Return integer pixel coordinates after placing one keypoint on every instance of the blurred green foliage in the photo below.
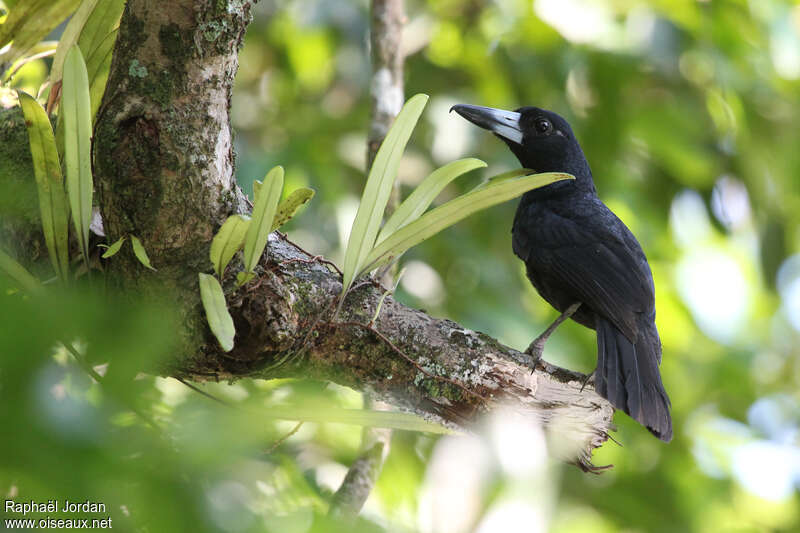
(688, 113)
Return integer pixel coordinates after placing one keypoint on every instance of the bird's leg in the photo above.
(537, 346)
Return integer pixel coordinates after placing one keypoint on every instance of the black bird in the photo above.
(585, 262)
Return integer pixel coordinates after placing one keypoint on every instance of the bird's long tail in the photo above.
(627, 376)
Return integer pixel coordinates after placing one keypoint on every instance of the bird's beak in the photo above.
(503, 123)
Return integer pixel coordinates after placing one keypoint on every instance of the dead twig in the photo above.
(283, 439)
(315, 258)
(100, 380)
(201, 392)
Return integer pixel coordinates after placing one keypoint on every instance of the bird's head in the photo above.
(542, 140)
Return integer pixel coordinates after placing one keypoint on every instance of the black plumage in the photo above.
(577, 251)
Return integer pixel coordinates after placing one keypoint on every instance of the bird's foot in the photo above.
(537, 346)
(535, 350)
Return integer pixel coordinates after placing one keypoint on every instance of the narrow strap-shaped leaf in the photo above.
(114, 248)
(18, 273)
(97, 42)
(378, 189)
(219, 319)
(76, 110)
(263, 212)
(425, 193)
(503, 176)
(70, 37)
(49, 183)
(289, 206)
(453, 211)
(228, 240)
(49, 180)
(98, 66)
(102, 21)
(140, 252)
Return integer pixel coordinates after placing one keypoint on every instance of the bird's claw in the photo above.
(535, 351)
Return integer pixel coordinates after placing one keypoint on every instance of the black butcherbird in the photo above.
(585, 262)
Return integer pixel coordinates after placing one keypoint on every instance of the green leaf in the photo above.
(49, 183)
(289, 206)
(263, 213)
(76, 110)
(18, 273)
(89, 27)
(219, 319)
(70, 37)
(98, 66)
(379, 188)
(511, 174)
(103, 20)
(97, 43)
(114, 248)
(140, 252)
(228, 240)
(28, 22)
(425, 193)
(357, 417)
(243, 277)
(453, 211)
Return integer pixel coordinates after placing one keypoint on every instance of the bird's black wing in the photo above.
(593, 257)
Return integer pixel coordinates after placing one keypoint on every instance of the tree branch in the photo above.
(386, 87)
(432, 367)
(351, 495)
(164, 172)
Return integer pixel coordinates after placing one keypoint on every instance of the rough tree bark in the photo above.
(20, 225)
(164, 172)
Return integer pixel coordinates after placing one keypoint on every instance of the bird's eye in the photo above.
(543, 125)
